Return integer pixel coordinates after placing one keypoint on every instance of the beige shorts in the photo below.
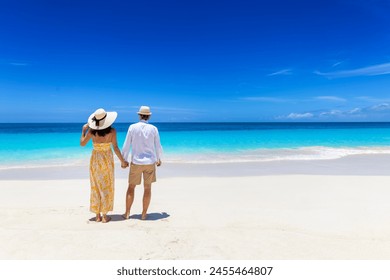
(136, 172)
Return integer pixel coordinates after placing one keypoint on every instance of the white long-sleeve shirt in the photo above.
(144, 140)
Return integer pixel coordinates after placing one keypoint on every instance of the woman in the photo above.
(101, 167)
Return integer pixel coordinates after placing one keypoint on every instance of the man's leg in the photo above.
(129, 200)
(134, 180)
(146, 200)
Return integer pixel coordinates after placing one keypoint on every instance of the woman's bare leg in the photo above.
(105, 218)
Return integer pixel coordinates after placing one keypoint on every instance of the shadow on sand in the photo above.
(150, 217)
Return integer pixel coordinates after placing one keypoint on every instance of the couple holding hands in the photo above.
(144, 141)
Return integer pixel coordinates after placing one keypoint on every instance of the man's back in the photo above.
(142, 130)
(145, 141)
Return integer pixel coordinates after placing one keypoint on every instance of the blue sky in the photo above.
(273, 60)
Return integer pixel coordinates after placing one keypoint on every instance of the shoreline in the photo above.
(77, 158)
(359, 165)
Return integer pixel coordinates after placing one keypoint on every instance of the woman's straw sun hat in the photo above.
(101, 119)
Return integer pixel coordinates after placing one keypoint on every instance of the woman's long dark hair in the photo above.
(102, 132)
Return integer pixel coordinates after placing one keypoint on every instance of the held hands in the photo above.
(124, 164)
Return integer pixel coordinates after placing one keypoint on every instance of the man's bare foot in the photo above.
(126, 216)
(144, 216)
(98, 218)
(106, 219)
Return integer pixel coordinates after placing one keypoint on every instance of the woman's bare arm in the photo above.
(85, 135)
(114, 142)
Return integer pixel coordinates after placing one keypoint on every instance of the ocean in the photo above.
(39, 144)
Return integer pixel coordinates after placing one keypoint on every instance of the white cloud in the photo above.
(337, 63)
(378, 112)
(380, 107)
(355, 111)
(331, 98)
(374, 70)
(295, 116)
(281, 72)
(331, 113)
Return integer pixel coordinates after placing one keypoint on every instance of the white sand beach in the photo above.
(330, 209)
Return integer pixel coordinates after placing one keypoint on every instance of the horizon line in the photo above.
(291, 121)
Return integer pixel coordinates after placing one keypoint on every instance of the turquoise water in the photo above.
(203, 142)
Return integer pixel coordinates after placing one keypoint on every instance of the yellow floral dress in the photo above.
(101, 170)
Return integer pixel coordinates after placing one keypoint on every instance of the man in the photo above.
(146, 152)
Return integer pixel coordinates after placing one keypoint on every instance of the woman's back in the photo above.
(105, 137)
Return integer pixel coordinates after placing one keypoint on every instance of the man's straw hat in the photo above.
(144, 110)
